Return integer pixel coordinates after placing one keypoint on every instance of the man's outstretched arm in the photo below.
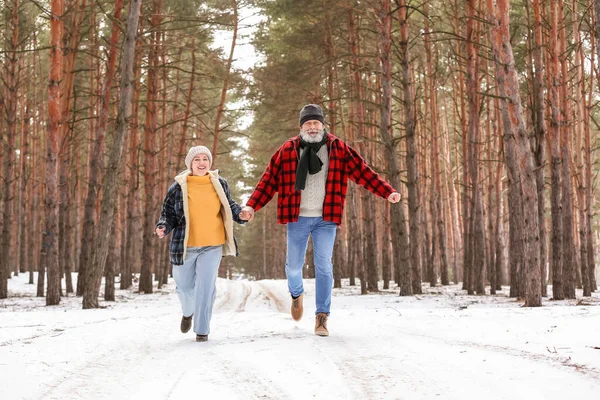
(267, 186)
(363, 175)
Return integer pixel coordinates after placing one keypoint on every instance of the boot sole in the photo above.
(321, 333)
(296, 317)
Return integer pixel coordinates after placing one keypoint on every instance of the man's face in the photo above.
(312, 131)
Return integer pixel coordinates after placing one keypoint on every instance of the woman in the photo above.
(199, 210)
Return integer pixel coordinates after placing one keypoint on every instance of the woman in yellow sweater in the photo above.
(199, 210)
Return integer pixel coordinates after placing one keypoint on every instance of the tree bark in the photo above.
(437, 214)
(150, 129)
(555, 157)
(477, 247)
(413, 176)
(132, 245)
(539, 139)
(520, 160)
(96, 167)
(24, 192)
(111, 183)
(581, 153)
(399, 235)
(11, 79)
(569, 255)
(53, 139)
(221, 106)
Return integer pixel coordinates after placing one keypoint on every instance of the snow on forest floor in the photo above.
(439, 345)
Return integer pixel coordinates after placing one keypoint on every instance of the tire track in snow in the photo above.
(249, 383)
(556, 362)
(59, 330)
(246, 290)
(352, 367)
(275, 301)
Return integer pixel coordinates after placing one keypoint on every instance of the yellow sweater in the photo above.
(206, 222)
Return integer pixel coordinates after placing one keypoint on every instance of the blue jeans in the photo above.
(196, 283)
(323, 238)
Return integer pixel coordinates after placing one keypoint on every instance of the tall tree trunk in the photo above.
(36, 265)
(24, 192)
(520, 160)
(569, 256)
(492, 209)
(539, 139)
(359, 122)
(132, 249)
(188, 105)
(588, 168)
(53, 139)
(555, 157)
(369, 207)
(477, 247)
(581, 153)
(11, 93)
(71, 39)
(399, 235)
(452, 207)
(352, 196)
(499, 259)
(462, 196)
(150, 129)
(96, 162)
(221, 106)
(438, 210)
(111, 184)
(63, 212)
(413, 178)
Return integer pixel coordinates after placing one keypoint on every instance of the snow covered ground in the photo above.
(440, 345)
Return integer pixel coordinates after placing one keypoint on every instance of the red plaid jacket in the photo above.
(344, 162)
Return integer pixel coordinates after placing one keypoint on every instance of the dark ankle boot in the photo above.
(186, 323)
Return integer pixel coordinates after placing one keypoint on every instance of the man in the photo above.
(309, 173)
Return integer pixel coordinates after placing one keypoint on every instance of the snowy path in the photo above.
(381, 347)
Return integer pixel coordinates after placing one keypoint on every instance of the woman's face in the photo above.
(200, 165)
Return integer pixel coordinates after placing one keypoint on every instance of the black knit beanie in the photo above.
(310, 112)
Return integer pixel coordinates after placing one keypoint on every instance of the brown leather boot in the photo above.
(297, 307)
(321, 325)
(186, 323)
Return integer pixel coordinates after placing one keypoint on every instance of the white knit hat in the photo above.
(194, 151)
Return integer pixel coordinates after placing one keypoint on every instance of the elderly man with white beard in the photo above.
(310, 173)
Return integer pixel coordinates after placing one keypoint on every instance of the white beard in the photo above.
(312, 139)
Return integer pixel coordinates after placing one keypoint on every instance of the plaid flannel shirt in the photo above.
(344, 163)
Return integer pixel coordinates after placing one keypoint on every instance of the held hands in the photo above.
(394, 197)
(247, 214)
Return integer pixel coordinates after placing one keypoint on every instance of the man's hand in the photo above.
(160, 232)
(247, 214)
(394, 197)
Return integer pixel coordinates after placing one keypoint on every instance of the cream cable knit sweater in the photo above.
(313, 195)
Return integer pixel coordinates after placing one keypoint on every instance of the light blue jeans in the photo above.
(196, 283)
(323, 238)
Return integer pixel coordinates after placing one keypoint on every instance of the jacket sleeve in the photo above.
(268, 184)
(168, 217)
(363, 175)
(235, 207)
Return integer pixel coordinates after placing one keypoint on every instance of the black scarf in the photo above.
(309, 161)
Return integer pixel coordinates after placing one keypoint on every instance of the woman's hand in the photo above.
(247, 214)
(160, 232)
(394, 197)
